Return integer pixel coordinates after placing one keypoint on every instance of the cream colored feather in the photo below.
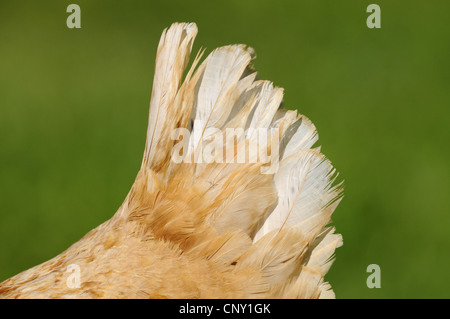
(220, 229)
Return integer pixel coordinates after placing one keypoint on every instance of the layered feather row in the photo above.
(286, 214)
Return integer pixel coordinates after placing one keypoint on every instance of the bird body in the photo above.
(209, 229)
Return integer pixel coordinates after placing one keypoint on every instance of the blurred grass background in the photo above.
(74, 107)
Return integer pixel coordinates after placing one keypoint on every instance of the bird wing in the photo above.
(285, 212)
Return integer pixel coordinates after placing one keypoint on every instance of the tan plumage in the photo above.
(208, 230)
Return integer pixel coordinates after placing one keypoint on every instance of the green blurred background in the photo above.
(74, 107)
